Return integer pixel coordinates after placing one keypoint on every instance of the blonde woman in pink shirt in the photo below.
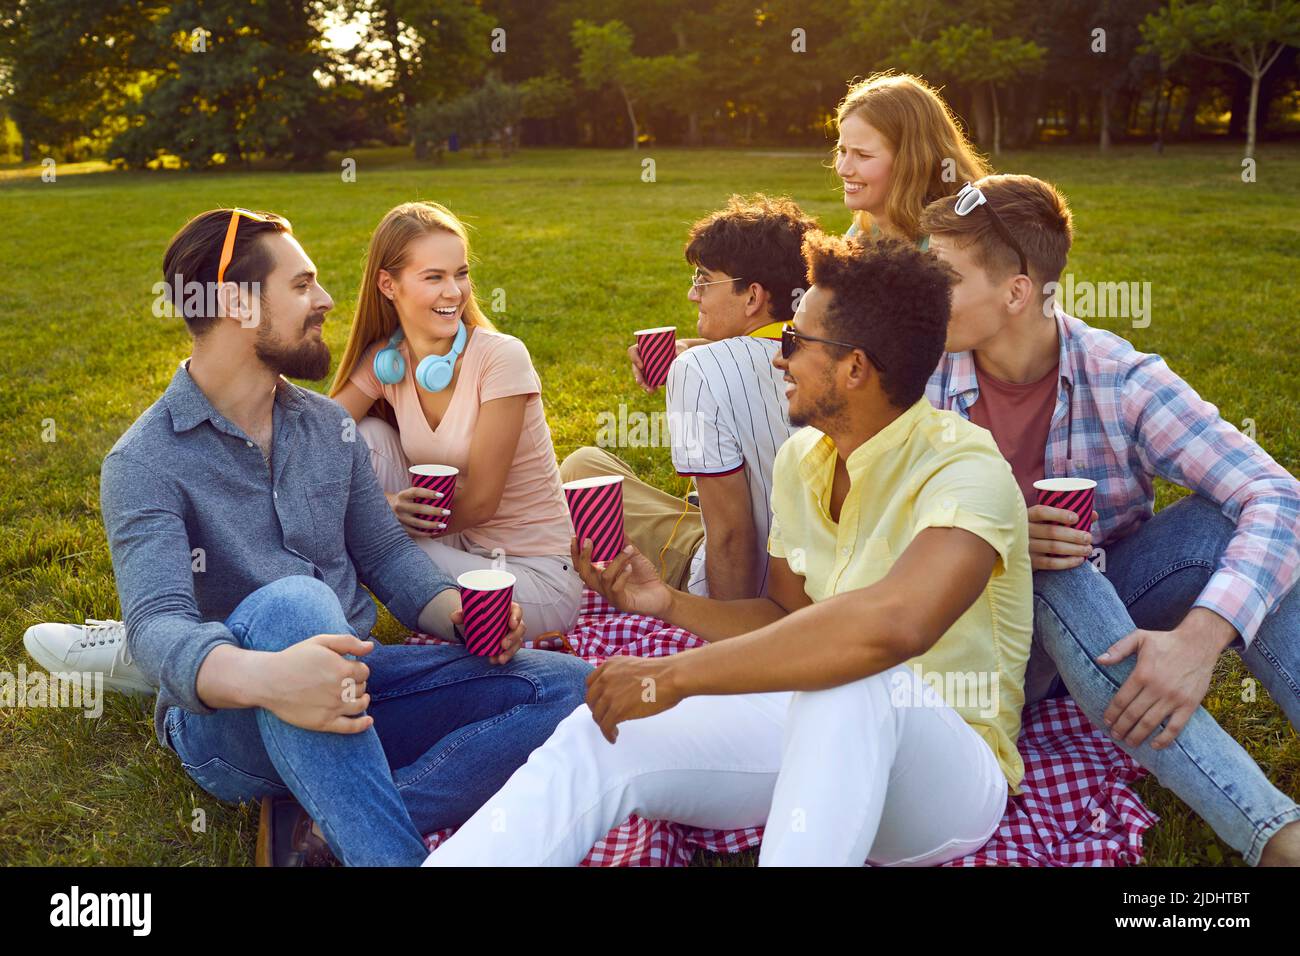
(448, 389)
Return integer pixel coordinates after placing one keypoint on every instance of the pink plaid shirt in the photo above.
(1122, 417)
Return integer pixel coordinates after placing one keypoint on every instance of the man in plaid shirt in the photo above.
(1136, 638)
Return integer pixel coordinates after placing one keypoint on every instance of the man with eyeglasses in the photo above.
(867, 706)
(1136, 635)
(726, 409)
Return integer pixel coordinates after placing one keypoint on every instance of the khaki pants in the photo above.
(649, 515)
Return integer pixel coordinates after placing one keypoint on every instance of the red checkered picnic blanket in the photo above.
(1077, 808)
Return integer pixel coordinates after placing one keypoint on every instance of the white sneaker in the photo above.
(95, 647)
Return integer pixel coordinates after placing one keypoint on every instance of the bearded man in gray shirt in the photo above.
(243, 516)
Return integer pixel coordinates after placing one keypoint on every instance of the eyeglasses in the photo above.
(228, 247)
(972, 196)
(790, 339)
(698, 275)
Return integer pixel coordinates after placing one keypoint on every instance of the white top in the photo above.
(727, 411)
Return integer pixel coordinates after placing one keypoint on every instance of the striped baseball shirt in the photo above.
(727, 411)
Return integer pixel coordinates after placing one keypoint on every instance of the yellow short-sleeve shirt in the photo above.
(926, 469)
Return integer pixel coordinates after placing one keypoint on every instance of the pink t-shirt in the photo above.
(532, 518)
(1020, 418)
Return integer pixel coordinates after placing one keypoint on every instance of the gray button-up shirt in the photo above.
(196, 522)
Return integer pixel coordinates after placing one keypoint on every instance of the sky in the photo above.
(341, 34)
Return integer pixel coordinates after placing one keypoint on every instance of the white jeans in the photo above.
(546, 587)
(837, 777)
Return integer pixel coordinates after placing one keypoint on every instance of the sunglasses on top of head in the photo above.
(970, 198)
(228, 247)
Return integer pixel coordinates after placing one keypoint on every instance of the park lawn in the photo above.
(583, 251)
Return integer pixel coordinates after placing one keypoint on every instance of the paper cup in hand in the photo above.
(596, 506)
(435, 478)
(1069, 494)
(485, 598)
(657, 348)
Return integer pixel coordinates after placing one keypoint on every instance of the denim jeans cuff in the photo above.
(1268, 831)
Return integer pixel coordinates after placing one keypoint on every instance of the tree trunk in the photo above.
(631, 118)
(1250, 115)
(983, 120)
(1134, 101)
(693, 117)
(1187, 123)
(1168, 108)
(1160, 112)
(1156, 101)
(1104, 119)
(1022, 109)
(997, 121)
(402, 76)
(27, 149)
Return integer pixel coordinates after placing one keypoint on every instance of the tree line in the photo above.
(199, 83)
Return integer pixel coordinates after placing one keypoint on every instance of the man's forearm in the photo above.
(833, 642)
(1205, 623)
(232, 677)
(436, 616)
(730, 566)
(712, 620)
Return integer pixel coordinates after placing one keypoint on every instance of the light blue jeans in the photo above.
(450, 728)
(1151, 581)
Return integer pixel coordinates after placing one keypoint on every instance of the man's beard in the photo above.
(826, 410)
(309, 359)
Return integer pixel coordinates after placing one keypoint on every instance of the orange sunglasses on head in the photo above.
(228, 247)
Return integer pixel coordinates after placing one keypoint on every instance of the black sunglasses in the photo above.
(790, 343)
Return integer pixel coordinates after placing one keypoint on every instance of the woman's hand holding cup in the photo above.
(425, 507)
(416, 516)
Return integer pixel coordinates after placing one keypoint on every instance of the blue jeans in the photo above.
(449, 730)
(1151, 581)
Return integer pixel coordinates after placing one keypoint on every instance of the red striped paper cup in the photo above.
(485, 598)
(435, 478)
(1069, 494)
(596, 507)
(657, 348)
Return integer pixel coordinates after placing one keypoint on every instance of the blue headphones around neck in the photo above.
(434, 372)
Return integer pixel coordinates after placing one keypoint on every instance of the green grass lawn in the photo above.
(585, 252)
